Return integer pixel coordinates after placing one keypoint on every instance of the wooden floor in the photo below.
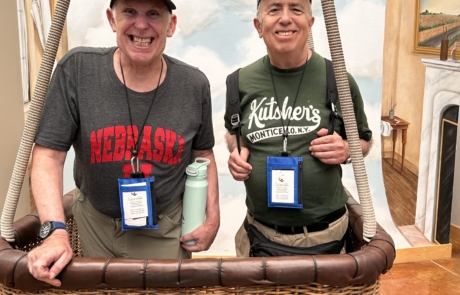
(433, 277)
(401, 191)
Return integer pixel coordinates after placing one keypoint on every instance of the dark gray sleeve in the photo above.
(204, 138)
(59, 121)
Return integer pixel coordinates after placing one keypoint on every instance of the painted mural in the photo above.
(218, 37)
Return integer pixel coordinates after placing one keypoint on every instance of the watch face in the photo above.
(45, 229)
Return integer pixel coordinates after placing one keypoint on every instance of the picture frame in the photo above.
(432, 24)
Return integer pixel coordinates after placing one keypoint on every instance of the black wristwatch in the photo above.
(49, 226)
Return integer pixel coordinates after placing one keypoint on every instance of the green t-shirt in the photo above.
(262, 131)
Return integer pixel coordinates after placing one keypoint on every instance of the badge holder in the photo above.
(137, 200)
(284, 180)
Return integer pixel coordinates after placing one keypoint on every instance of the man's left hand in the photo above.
(329, 149)
(203, 236)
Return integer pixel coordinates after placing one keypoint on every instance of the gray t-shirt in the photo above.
(86, 106)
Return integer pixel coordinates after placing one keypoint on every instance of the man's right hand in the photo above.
(238, 164)
(47, 261)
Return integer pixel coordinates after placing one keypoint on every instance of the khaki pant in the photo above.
(101, 236)
(336, 231)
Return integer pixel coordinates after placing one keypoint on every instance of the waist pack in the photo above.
(261, 246)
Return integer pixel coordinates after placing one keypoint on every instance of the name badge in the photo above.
(137, 202)
(284, 182)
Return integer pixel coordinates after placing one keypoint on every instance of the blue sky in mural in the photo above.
(218, 36)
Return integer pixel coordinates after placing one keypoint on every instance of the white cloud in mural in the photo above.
(192, 17)
(87, 25)
(251, 48)
(373, 111)
(361, 25)
(210, 63)
(234, 212)
(220, 148)
(244, 9)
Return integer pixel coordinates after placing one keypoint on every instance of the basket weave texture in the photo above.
(354, 273)
(307, 289)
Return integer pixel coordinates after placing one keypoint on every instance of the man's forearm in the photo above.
(231, 141)
(366, 146)
(212, 201)
(47, 183)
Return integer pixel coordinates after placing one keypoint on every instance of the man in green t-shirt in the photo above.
(283, 108)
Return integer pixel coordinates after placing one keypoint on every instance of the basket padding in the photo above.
(363, 266)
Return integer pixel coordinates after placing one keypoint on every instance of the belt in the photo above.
(315, 227)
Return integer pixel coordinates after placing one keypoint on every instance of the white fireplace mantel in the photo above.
(442, 90)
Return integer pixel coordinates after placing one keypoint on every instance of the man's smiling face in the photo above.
(284, 25)
(142, 27)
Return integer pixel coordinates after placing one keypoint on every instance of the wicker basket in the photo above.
(352, 273)
(273, 290)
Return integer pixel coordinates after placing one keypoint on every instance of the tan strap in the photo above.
(340, 70)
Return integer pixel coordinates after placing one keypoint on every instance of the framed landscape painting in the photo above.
(435, 20)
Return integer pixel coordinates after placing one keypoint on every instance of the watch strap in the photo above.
(57, 225)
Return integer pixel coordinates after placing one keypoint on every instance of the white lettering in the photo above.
(265, 111)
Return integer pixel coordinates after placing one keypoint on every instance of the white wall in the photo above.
(11, 111)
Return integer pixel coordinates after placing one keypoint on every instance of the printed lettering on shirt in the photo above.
(264, 111)
(115, 143)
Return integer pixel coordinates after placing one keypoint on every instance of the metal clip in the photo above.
(132, 164)
(285, 152)
(235, 120)
(285, 144)
(334, 109)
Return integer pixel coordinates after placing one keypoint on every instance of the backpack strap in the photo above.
(332, 95)
(233, 103)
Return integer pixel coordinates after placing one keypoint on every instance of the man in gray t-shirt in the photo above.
(111, 104)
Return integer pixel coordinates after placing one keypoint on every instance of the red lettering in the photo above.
(96, 147)
(177, 157)
(127, 169)
(146, 169)
(168, 157)
(145, 152)
(159, 148)
(120, 143)
(107, 155)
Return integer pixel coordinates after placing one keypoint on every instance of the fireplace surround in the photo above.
(442, 91)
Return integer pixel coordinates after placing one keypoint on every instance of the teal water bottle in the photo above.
(195, 195)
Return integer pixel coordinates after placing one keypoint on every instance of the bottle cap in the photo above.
(198, 168)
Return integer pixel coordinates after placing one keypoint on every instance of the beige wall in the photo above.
(403, 78)
(34, 47)
(11, 112)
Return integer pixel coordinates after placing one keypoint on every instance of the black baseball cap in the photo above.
(168, 3)
(258, 2)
